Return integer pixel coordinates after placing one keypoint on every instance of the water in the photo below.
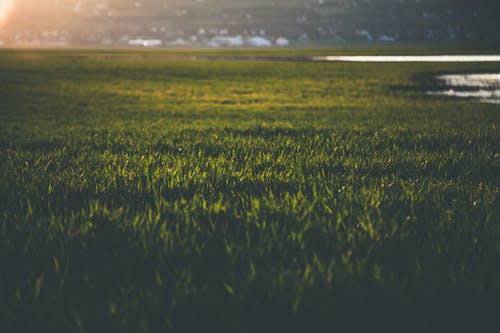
(483, 87)
(412, 58)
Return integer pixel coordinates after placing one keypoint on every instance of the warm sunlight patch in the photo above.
(5, 9)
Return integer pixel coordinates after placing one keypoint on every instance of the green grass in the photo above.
(140, 193)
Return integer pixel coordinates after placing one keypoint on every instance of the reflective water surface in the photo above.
(412, 58)
(485, 87)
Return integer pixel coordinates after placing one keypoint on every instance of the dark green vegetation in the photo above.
(243, 196)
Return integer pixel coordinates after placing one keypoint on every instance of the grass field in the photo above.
(140, 193)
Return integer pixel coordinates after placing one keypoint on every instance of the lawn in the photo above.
(148, 192)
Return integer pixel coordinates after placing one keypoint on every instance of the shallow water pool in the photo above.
(412, 58)
(484, 87)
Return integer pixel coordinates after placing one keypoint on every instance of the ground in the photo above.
(147, 192)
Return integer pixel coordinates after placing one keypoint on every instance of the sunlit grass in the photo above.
(243, 196)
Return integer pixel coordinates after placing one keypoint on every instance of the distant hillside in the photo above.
(201, 23)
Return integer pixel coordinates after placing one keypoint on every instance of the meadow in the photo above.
(147, 192)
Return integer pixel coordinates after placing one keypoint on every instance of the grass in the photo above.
(146, 194)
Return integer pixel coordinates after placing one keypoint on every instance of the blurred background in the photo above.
(247, 23)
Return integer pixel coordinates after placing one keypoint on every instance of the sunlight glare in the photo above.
(5, 9)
